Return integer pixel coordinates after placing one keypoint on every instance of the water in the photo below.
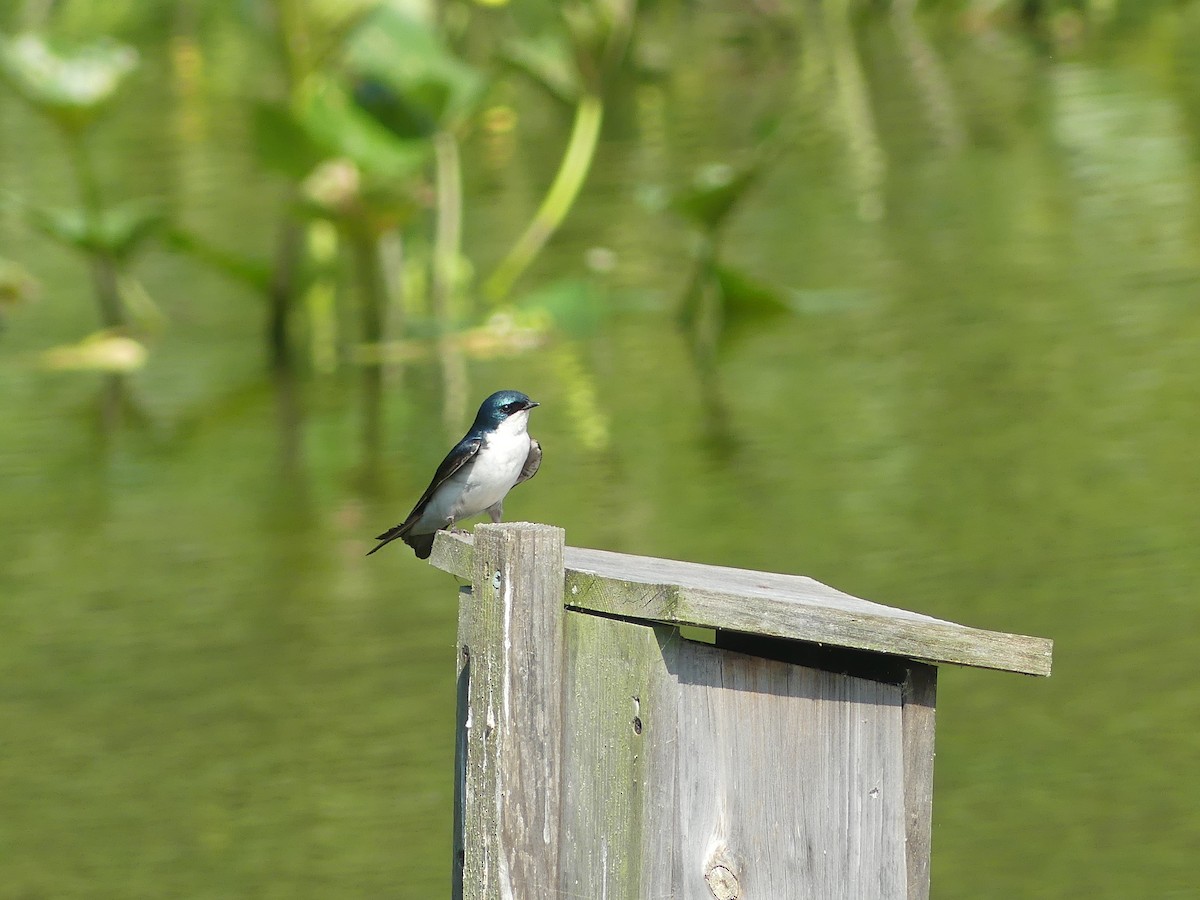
(984, 409)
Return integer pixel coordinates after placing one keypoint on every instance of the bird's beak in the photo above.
(531, 404)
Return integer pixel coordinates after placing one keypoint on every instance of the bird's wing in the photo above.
(532, 462)
(462, 454)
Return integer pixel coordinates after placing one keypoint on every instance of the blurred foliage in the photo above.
(17, 286)
(546, 58)
(361, 114)
(405, 76)
(375, 97)
(574, 60)
(71, 88)
(719, 297)
(115, 232)
(713, 192)
(364, 113)
(103, 351)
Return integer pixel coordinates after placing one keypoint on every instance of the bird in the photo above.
(494, 456)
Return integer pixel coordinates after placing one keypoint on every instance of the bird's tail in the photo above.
(422, 544)
(388, 536)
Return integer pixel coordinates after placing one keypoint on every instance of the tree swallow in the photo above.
(496, 454)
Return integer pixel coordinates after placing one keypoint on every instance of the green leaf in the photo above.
(409, 117)
(67, 226)
(548, 60)
(117, 231)
(714, 191)
(73, 87)
(405, 76)
(341, 128)
(746, 299)
(281, 142)
(125, 226)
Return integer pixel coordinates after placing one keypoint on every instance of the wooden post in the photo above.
(511, 642)
(466, 634)
(603, 755)
(920, 696)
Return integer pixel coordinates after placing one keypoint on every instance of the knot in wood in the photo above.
(723, 883)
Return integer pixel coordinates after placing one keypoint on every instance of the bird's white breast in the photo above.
(485, 479)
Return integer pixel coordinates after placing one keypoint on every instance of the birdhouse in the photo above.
(605, 752)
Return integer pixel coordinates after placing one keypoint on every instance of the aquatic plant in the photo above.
(72, 88)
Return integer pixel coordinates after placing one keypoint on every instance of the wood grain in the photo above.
(693, 772)
(616, 681)
(514, 728)
(790, 779)
(466, 636)
(601, 755)
(795, 607)
(920, 699)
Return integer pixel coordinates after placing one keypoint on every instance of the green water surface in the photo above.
(983, 406)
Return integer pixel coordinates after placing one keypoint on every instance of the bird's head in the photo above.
(501, 406)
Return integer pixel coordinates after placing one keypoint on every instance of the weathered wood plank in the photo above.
(790, 782)
(612, 711)
(514, 725)
(466, 636)
(693, 772)
(810, 619)
(787, 606)
(454, 552)
(920, 698)
(617, 760)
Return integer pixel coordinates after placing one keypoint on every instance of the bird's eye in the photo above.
(509, 407)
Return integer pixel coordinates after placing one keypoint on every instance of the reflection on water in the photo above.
(981, 404)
